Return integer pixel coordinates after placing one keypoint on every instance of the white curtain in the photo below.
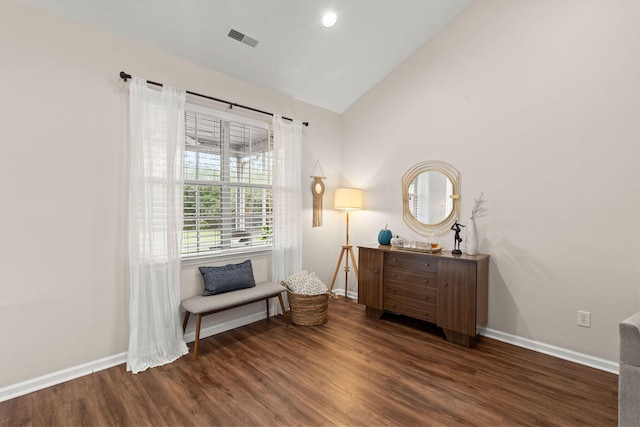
(155, 225)
(287, 202)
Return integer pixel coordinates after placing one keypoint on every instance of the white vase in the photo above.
(471, 243)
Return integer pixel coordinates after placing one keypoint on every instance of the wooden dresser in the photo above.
(445, 289)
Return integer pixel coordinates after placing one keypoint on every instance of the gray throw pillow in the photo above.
(227, 278)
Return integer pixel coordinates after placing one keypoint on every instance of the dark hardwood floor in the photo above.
(351, 371)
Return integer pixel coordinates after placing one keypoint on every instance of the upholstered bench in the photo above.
(205, 305)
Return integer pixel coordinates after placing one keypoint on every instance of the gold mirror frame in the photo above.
(445, 225)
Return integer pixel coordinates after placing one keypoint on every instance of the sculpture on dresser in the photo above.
(457, 239)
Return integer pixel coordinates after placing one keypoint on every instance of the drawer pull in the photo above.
(426, 298)
(427, 264)
(426, 280)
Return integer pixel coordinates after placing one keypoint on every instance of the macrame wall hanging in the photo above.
(317, 189)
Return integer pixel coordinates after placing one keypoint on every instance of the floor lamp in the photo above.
(346, 199)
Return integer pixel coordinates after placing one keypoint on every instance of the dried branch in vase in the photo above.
(478, 207)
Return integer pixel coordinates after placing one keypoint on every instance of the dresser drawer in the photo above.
(420, 309)
(419, 291)
(411, 277)
(409, 262)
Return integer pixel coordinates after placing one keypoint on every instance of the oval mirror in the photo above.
(431, 194)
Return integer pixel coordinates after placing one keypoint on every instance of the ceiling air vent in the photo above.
(237, 35)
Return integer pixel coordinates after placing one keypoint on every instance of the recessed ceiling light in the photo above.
(329, 20)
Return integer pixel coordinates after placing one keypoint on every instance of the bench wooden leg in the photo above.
(267, 301)
(284, 313)
(197, 343)
(186, 320)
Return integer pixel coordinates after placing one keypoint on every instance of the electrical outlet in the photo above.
(584, 319)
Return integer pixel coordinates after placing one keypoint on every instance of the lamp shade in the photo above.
(348, 198)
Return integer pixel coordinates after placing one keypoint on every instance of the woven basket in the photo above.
(308, 310)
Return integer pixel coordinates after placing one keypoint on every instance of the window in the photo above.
(228, 196)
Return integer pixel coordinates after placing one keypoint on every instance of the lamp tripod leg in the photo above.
(348, 250)
(335, 273)
(353, 260)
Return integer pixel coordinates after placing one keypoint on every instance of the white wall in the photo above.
(64, 177)
(538, 105)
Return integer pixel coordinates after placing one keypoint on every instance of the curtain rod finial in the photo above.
(124, 76)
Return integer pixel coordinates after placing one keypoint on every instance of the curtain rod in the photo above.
(124, 76)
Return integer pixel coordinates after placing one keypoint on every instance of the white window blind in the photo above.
(228, 196)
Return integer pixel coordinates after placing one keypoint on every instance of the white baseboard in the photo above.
(61, 376)
(58, 377)
(350, 294)
(559, 352)
(68, 374)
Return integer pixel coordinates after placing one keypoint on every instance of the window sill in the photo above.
(190, 260)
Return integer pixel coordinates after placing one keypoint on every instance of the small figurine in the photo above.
(457, 239)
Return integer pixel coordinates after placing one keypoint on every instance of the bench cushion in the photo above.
(201, 304)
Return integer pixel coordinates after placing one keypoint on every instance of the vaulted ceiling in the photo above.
(294, 55)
